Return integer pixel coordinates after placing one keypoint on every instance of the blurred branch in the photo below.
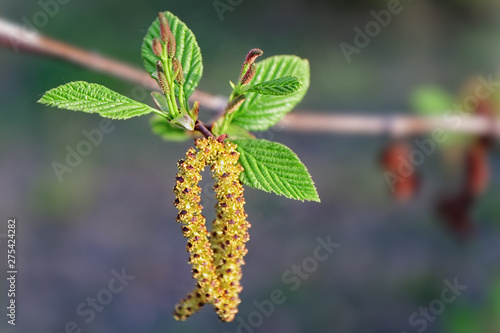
(393, 125)
(19, 38)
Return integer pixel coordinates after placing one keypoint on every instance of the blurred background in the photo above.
(114, 211)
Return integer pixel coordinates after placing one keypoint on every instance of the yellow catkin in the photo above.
(221, 264)
(229, 231)
(190, 304)
(193, 227)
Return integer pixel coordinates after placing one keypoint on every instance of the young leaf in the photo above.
(282, 86)
(184, 120)
(259, 112)
(273, 167)
(94, 98)
(187, 51)
(166, 130)
(236, 132)
(160, 101)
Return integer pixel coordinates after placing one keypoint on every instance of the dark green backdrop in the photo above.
(115, 209)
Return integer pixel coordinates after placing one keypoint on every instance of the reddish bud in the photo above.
(164, 27)
(249, 74)
(162, 78)
(250, 59)
(252, 55)
(178, 69)
(221, 138)
(477, 171)
(399, 173)
(157, 47)
(171, 46)
(235, 104)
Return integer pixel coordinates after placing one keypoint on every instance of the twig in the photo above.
(200, 127)
(19, 38)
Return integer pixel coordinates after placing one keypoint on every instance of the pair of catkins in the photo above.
(217, 256)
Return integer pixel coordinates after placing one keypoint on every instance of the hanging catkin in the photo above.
(229, 231)
(193, 227)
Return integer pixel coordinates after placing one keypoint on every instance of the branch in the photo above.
(200, 127)
(19, 38)
(393, 125)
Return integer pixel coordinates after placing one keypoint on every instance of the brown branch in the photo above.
(18, 38)
(200, 127)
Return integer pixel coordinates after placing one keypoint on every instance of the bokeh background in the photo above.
(115, 209)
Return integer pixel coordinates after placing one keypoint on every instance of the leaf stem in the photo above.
(171, 107)
(161, 113)
(182, 98)
(167, 64)
(228, 118)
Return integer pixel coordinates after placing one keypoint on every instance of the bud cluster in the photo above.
(248, 71)
(217, 257)
(169, 70)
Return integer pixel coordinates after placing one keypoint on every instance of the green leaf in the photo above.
(273, 167)
(94, 98)
(166, 130)
(259, 112)
(160, 101)
(431, 100)
(282, 86)
(184, 121)
(233, 131)
(187, 51)
(236, 132)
